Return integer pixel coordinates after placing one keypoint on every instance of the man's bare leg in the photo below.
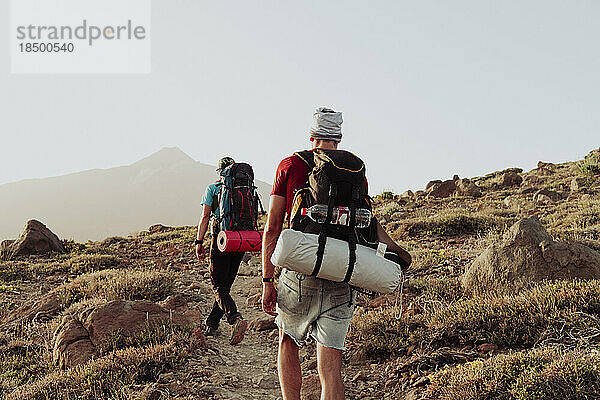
(329, 365)
(288, 367)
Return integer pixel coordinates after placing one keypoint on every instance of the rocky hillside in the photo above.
(502, 302)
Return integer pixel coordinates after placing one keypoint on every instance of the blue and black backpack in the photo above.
(238, 199)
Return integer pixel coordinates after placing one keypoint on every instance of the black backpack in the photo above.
(337, 178)
(238, 199)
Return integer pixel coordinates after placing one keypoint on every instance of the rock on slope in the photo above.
(36, 238)
(527, 253)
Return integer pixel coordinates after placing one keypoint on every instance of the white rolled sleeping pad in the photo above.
(297, 251)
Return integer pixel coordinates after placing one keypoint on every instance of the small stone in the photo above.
(487, 348)
(263, 324)
(166, 377)
(361, 376)
(310, 364)
(254, 300)
(358, 357)
(198, 340)
(577, 184)
(268, 382)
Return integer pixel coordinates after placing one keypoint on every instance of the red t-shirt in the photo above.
(292, 174)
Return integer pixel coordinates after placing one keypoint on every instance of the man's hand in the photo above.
(269, 298)
(272, 230)
(200, 253)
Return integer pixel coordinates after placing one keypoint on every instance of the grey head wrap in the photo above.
(328, 125)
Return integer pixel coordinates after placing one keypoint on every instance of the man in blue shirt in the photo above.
(223, 266)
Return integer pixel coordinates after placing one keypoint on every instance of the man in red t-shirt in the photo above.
(300, 316)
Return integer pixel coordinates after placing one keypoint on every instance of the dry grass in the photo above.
(118, 284)
(94, 262)
(537, 374)
(108, 377)
(22, 361)
(565, 312)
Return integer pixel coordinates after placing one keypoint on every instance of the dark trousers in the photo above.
(223, 270)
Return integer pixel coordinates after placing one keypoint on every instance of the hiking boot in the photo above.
(238, 330)
(210, 331)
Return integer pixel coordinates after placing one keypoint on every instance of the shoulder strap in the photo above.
(307, 156)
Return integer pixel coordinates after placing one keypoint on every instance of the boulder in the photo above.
(545, 168)
(527, 253)
(461, 187)
(159, 228)
(546, 196)
(464, 187)
(128, 317)
(510, 178)
(79, 338)
(36, 238)
(72, 344)
(174, 302)
(542, 164)
(440, 189)
(43, 309)
(431, 183)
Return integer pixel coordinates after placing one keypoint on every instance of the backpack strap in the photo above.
(307, 156)
(352, 233)
(323, 233)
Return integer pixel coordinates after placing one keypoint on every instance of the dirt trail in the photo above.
(245, 371)
(249, 369)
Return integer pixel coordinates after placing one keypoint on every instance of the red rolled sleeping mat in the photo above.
(228, 241)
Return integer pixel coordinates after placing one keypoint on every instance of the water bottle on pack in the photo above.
(341, 215)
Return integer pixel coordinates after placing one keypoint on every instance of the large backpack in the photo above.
(238, 200)
(336, 178)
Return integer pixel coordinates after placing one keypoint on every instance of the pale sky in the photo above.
(428, 89)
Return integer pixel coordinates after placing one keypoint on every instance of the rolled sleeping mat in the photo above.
(231, 241)
(297, 251)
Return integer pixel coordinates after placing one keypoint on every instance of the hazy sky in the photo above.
(428, 88)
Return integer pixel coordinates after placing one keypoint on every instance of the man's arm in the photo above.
(383, 237)
(202, 228)
(272, 230)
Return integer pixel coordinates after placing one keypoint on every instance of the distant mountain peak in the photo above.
(166, 156)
